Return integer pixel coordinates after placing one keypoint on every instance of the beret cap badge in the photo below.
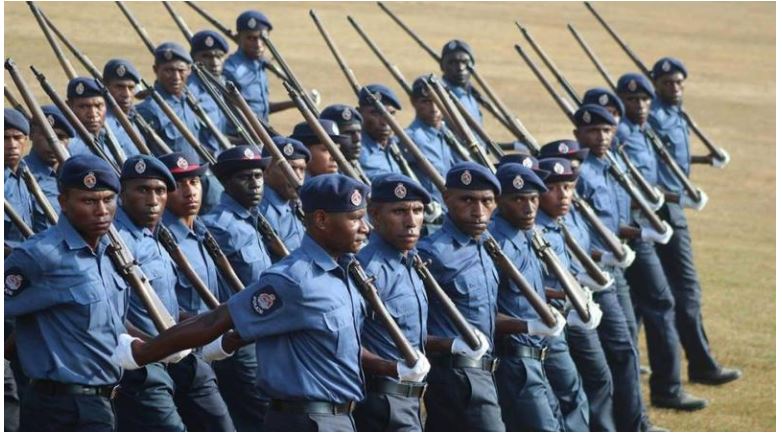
(90, 180)
(466, 177)
(400, 191)
(518, 182)
(80, 88)
(181, 163)
(356, 198)
(140, 167)
(558, 168)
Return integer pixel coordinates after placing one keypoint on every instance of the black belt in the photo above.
(462, 362)
(386, 386)
(59, 388)
(311, 407)
(522, 351)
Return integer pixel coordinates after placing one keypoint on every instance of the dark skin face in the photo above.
(14, 142)
(455, 68)
(398, 223)
(375, 125)
(470, 210)
(557, 200)
(338, 233)
(519, 208)
(123, 91)
(596, 137)
(637, 106)
(353, 150)
(251, 43)
(144, 200)
(172, 76)
(91, 111)
(186, 200)
(427, 111)
(321, 161)
(41, 147)
(212, 60)
(670, 88)
(245, 186)
(274, 178)
(90, 212)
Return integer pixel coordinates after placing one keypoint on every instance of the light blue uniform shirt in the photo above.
(432, 143)
(375, 158)
(638, 149)
(282, 217)
(249, 75)
(671, 126)
(16, 193)
(46, 177)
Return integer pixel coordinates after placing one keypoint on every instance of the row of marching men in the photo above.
(589, 376)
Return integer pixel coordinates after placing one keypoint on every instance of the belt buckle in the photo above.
(543, 353)
(495, 362)
(114, 392)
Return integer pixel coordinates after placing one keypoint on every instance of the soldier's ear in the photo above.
(320, 219)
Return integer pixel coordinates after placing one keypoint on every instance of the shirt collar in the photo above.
(233, 206)
(317, 254)
(546, 220)
(36, 164)
(73, 238)
(177, 228)
(273, 198)
(165, 94)
(460, 237)
(136, 231)
(391, 255)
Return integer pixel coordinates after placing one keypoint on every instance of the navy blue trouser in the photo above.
(622, 356)
(381, 412)
(145, 401)
(654, 303)
(679, 265)
(525, 396)
(197, 397)
(462, 400)
(277, 421)
(566, 384)
(44, 412)
(236, 380)
(11, 402)
(590, 359)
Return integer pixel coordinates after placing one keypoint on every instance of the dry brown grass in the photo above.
(729, 49)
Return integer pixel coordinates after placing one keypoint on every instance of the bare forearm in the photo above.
(375, 365)
(438, 344)
(510, 325)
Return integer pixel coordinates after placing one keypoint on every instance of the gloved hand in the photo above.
(650, 234)
(315, 96)
(716, 162)
(214, 351)
(595, 315)
(586, 280)
(176, 357)
(686, 201)
(660, 199)
(123, 354)
(460, 347)
(417, 373)
(436, 212)
(537, 327)
(608, 258)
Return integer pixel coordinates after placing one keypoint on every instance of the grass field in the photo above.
(729, 50)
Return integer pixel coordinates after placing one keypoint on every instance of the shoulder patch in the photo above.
(266, 301)
(15, 282)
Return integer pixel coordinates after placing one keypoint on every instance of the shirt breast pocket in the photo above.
(469, 297)
(404, 310)
(90, 305)
(339, 330)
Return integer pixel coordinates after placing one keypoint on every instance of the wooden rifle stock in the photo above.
(291, 78)
(636, 196)
(654, 197)
(369, 292)
(169, 243)
(229, 274)
(241, 128)
(592, 57)
(137, 26)
(38, 195)
(16, 219)
(64, 63)
(609, 238)
(180, 22)
(693, 192)
(590, 266)
(549, 63)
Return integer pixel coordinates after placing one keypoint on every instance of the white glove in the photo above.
(650, 234)
(123, 354)
(214, 351)
(660, 199)
(417, 373)
(586, 280)
(537, 327)
(315, 96)
(595, 315)
(716, 162)
(608, 258)
(176, 357)
(460, 347)
(687, 202)
(437, 211)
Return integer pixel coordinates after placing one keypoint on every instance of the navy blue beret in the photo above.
(13, 119)
(343, 115)
(560, 170)
(394, 187)
(419, 87)
(120, 69)
(668, 65)
(184, 164)
(57, 120)
(634, 82)
(333, 192)
(83, 87)
(591, 114)
(304, 133)
(147, 167)
(568, 149)
(515, 178)
(290, 148)
(239, 158)
(456, 45)
(524, 159)
(207, 40)
(604, 97)
(384, 93)
(252, 20)
(170, 51)
(88, 173)
(473, 177)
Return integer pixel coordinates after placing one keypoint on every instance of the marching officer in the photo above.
(396, 210)
(121, 79)
(208, 48)
(668, 119)
(15, 136)
(69, 301)
(376, 135)
(304, 315)
(456, 58)
(321, 161)
(521, 382)
(462, 394)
